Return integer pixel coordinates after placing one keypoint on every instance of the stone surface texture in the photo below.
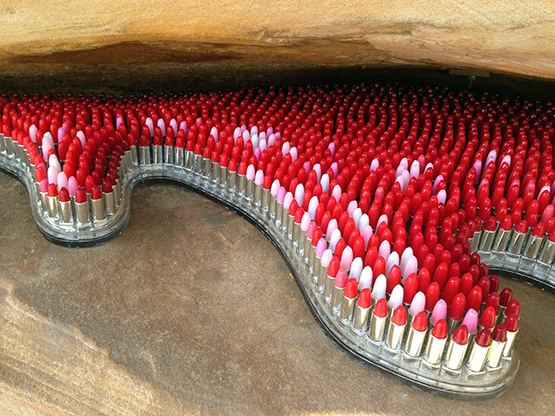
(116, 44)
(192, 311)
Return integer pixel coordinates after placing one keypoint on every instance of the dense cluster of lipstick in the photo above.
(386, 193)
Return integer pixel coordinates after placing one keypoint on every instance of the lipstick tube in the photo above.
(52, 206)
(546, 254)
(486, 241)
(117, 193)
(82, 213)
(189, 159)
(415, 340)
(336, 297)
(157, 156)
(110, 202)
(329, 284)
(2, 143)
(495, 353)
(508, 349)
(134, 155)
(214, 171)
(198, 165)
(264, 197)
(128, 160)
(455, 355)
(144, 155)
(361, 312)
(44, 200)
(347, 307)
(501, 240)
(206, 167)
(378, 321)
(396, 330)
(296, 236)
(257, 195)
(168, 154)
(272, 205)
(64, 208)
(475, 243)
(9, 145)
(479, 351)
(434, 350)
(232, 180)
(97, 208)
(223, 175)
(289, 221)
(249, 188)
(514, 247)
(179, 156)
(241, 183)
(530, 252)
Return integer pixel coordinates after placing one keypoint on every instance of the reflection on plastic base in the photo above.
(459, 385)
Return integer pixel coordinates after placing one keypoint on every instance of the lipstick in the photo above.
(511, 323)
(81, 207)
(532, 247)
(547, 254)
(416, 334)
(498, 343)
(503, 235)
(273, 198)
(505, 297)
(249, 181)
(378, 319)
(516, 243)
(348, 303)
(513, 308)
(436, 344)
(97, 204)
(361, 312)
(64, 203)
(456, 349)
(366, 277)
(479, 351)
(109, 199)
(331, 273)
(378, 291)
(327, 257)
(396, 329)
(456, 312)
(488, 233)
(52, 203)
(487, 320)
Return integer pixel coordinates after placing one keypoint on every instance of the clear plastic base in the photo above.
(462, 385)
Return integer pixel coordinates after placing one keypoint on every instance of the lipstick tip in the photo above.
(420, 322)
(380, 310)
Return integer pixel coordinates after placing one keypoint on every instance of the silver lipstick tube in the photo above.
(157, 156)
(329, 284)
(347, 309)
(454, 356)
(214, 171)
(360, 320)
(336, 297)
(110, 203)
(9, 146)
(127, 158)
(316, 266)
(495, 354)
(452, 325)
(82, 213)
(52, 206)
(144, 155)
(272, 205)
(395, 335)
(232, 180)
(2, 143)
(249, 188)
(223, 176)
(546, 256)
(434, 351)
(477, 358)
(179, 156)
(487, 240)
(206, 167)
(278, 213)
(257, 196)
(514, 247)
(322, 278)
(531, 252)
(44, 201)
(64, 208)
(475, 243)
(415, 341)
(134, 155)
(197, 165)
(264, 198)
(117, 194)
(499, 246)
(509, 344)
(97, 208)
(168, 154)
(376, 329)
(189, 159)
(309, 253)
(241, 183)
(296, 235)
(289, 224)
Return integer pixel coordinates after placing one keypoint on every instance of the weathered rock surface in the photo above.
(124, 45)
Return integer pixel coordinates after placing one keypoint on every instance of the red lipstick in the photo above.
(479, 351)
(456, 349)
(396, 329)
(378, 320)
(417, 333)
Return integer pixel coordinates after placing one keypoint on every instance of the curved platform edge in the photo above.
(373, 358)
